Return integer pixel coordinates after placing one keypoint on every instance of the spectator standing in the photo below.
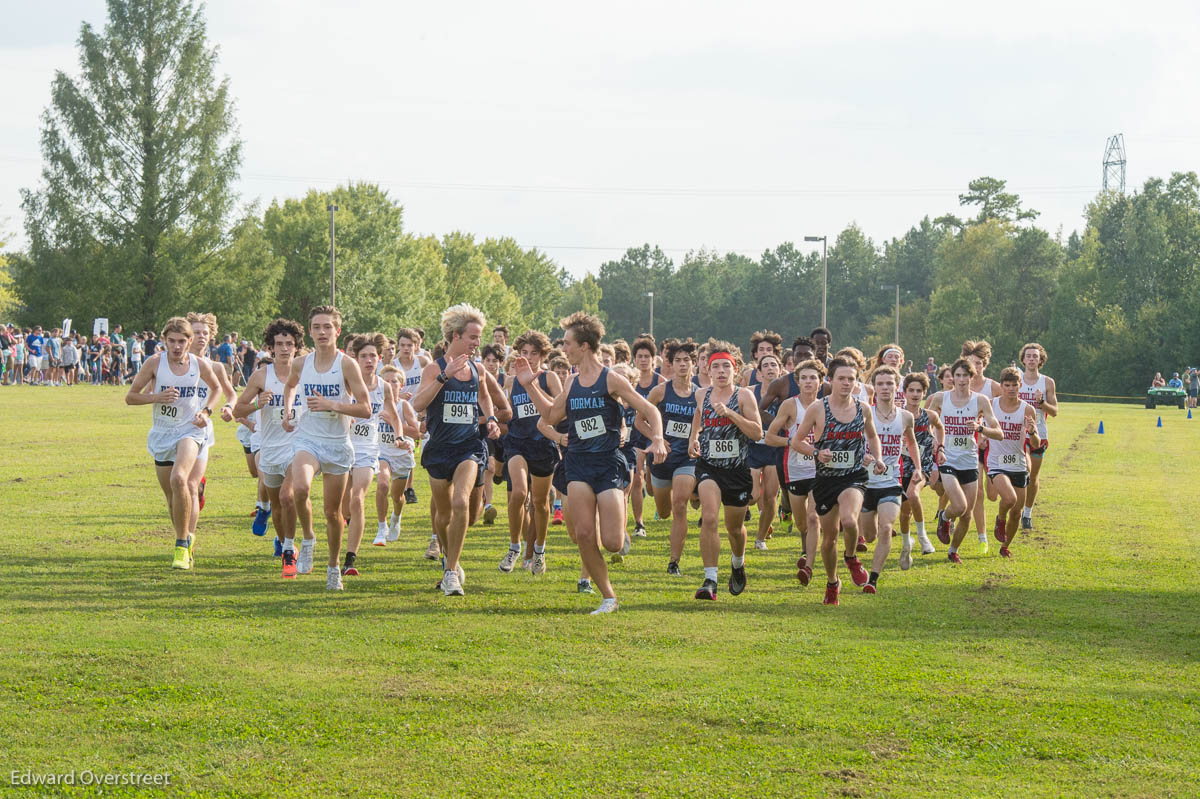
(70, 360)
(225, 355)
(1193, 385)
(6, 354)
(34, 344)
(19, 359)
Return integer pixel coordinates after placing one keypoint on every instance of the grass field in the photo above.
(1068, 671)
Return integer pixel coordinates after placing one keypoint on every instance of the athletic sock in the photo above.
(515, 547)
(558, 504)
(873, 578)
(181, 542)
(907, 540)
(849, 558)
(953, 549)
(920, 528)
(539, 549)
(289, 545)
(737, 561)
(710, 573)
(1027, 511)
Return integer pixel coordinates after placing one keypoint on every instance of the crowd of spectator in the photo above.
(45, 357)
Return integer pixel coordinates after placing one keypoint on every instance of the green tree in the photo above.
(993, 201)
(248, 260)
(139, 159)
(9, 301)
(533, 275)
(580, 295)
(624, 284)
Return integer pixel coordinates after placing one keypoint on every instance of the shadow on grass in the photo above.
(1163, 623)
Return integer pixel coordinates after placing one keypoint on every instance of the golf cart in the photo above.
(1166, 396)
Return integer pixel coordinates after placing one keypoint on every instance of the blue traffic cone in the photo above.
(1160, 421)
(1100, 430)
(1189, 413)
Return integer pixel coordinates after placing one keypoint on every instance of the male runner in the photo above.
(1039, 391)
(1006, 457)
(674, 479)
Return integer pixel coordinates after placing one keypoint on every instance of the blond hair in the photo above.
(456, 318)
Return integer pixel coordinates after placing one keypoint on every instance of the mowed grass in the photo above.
(1070, 670)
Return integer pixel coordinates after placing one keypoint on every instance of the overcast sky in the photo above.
(583, 130)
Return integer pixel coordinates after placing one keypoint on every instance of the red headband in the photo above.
(716, 356)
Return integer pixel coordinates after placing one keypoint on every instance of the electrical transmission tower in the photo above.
(1114, 163)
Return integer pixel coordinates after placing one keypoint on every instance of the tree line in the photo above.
(135, 218)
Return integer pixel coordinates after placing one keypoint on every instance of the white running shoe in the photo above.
(381, 537)
(760, 544)
(451, 585)
(304, 563)
(435, 551)
(627, 545)
(462, 575)
(333, 582)
(926, 544)
(539, 564)
(509, 560)
(607, 606)
(393, 528)
(906, 554)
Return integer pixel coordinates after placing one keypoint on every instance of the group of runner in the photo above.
(579, 431)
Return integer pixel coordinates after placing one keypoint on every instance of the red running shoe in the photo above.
(862, 544)
(804, 575)
(999, 528)
(802, 563)
(857, 573)
(954, 558)
(289, 564)
(868, 589)
(203, 480)
(943, 528)
(558, 516)
(831, 593)
(1005, 553)
(350, 571)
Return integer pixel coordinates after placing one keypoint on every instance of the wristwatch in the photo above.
(441, 378)
(492, 419)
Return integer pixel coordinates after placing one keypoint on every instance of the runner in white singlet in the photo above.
(396, 455)
(183, 390)
(979, 353)
(1007, 465)
(1041, 392)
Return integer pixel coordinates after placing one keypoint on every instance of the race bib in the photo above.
(526, 409)
(1011, 459)
(961, 443)
(458, 413)
(678, 429)
(723, 448)
(388, 438)
(361, 430)
(590, 427)
(168, 411)
(842, 459)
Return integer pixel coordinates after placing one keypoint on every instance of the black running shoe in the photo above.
(737, 580)
(410, 495)
(673, 569)
(708, 590)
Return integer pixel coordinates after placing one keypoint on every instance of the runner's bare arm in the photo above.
(812, 414)
(910, 440)
(990, 426)
(750, 423)
(248, 402)
(552, 409)
(353, 379)
(1050, 401)
(143, 380)
(621, 389)
(780, 423)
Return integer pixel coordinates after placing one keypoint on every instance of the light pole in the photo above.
(824, 275)
(650, 294)
(895, 286)
(331, 208)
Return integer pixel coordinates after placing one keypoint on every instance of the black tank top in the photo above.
(847, 441)
(722, 443)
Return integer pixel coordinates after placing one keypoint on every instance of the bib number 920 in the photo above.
(169, 411)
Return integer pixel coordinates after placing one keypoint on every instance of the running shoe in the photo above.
(737, 580)
(203, 480)
(627, 545)
(1026, 522)
(906, 554)
(410, 495)
(539, 564)
(350, 570)
(393, 529)
(760, 545)
(289, 564)
(607, 606)
(673, 569)
(857, 573)
(639, 530)
(926, 544)
(259, 525)
(943, 528)
(770, 531)
(708, 590)
(278, 548)
(304, 565)
(380, 537)
(182, 560)
(584, 587)
(434, 551)
(558, 516)
(983, 544)
(1004, 552)
(451, 585)
(998, 528)
(191, 548)
(489, 514)
(862, 545)
(462, 575)
(954, 558)
(509, 560)
(802, 563)
(333, 579)
(527, 564)
(869, 588)
(831, 594)
(804, 575)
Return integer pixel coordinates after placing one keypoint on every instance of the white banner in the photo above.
(100, 327)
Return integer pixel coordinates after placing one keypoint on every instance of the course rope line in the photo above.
(1096, 396)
